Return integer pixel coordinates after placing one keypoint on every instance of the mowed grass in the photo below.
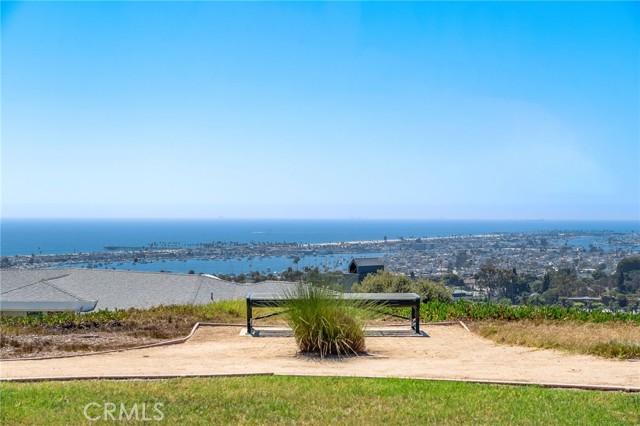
(281, 400)
(614, 339)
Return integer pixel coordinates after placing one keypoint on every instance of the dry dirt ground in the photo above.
(26, 346)
(449, 352)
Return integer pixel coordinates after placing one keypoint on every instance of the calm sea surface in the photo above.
(73, 236)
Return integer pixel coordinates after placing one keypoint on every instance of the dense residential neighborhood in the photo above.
(574, 268)
(527, 253)
(536, 253)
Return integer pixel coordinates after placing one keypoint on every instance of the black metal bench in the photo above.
(393, 300)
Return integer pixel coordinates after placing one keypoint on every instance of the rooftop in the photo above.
(122, 289)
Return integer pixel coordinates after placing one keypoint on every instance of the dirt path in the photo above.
(449, 353)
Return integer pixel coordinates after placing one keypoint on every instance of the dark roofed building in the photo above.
(363, 266)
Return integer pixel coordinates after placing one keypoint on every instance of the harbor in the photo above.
(531, 252)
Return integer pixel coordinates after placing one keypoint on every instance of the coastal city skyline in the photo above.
(425, 110)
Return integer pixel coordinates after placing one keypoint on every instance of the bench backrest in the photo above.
(383, 299)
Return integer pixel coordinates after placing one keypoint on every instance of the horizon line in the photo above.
(225, 218)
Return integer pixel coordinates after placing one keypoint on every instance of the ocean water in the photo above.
(24, 237)
(237, 266)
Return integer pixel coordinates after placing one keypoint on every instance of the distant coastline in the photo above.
(532, 252)
(63, 236)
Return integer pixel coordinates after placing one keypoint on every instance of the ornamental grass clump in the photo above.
(326, 323)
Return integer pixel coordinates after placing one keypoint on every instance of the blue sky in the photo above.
(415, 110)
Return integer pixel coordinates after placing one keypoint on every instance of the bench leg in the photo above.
(415, 319)
(249, 319)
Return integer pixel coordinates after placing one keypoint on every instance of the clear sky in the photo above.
(321, 110)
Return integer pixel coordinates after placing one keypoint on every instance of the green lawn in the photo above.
(277, 400)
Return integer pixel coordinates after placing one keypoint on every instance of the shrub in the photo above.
(324, 322)
(433, 291)
(464, 310)
(380, 282)
(386, 282)
(618, 349)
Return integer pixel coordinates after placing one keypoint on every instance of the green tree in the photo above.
(384, 282)
(550, 296)
(387, 282)
(504, 283)
(494, 279)
(291, 275)
(431, 290)
(546, 283)
(565, 281)
(504, 301)
(627, 275)
(6, 262)
(452, 280)
(488, 277)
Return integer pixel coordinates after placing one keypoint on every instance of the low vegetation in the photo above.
(281, 400)
(477, 311)
(606, 334)
(620, 339)
(325, 323)
(386, 282)
(161, 322)
(56, 334)
(102, 330)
